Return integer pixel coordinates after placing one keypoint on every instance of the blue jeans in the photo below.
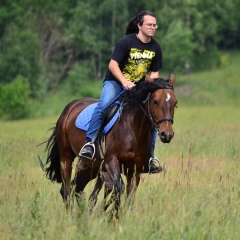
(154, 135)
(111, 89)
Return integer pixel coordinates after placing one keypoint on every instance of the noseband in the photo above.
(162, 120)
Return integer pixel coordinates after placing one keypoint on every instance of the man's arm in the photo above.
(115, 70)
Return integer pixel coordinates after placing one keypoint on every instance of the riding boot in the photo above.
(151, 167)
(88, 151)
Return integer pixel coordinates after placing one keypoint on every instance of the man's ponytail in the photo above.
(132, 26)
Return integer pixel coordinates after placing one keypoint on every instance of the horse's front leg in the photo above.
(133, 180)
(113, 169)
(94, 195)
(108, 188)
(103, 178)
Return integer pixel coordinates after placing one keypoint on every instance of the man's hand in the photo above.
(128, 85)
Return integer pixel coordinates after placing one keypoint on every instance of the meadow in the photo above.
(197, 196)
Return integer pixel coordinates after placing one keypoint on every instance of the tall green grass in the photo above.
(206, 131)
(197, 196)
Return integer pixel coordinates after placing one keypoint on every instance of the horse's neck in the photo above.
(140, 120)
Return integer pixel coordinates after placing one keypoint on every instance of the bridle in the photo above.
(151, 115)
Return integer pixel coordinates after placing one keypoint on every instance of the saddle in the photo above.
(113, 112)
(110, 112)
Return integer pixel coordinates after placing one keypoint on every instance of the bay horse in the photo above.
(127, 146)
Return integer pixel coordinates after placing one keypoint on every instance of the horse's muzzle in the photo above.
(166, 137)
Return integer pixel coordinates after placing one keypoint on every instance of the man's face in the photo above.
(149, 26)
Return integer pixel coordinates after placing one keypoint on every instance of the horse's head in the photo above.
(161, 108)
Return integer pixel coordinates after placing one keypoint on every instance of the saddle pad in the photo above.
(83, 119)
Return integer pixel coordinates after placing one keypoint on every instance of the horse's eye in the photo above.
(155, 103)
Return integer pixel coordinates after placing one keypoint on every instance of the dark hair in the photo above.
(132, 26)
(142, 89)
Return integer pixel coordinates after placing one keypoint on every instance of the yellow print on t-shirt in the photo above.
(138, 65)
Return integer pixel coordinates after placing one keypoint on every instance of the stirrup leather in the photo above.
(92, 145)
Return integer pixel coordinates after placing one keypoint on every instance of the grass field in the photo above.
(197, 196)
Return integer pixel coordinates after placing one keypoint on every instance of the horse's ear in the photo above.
(148, 79)
(171, 79)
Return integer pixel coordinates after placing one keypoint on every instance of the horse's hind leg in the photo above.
(82, 178)
(66, 171)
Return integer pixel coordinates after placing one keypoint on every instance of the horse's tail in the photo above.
(53, 170)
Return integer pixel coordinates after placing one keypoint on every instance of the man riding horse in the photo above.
(135, 55)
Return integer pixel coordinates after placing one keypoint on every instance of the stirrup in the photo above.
(149, 163)
(90, 144)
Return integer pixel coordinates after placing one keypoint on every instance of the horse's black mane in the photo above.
(142, 89)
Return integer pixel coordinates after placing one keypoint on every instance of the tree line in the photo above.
(44, 44)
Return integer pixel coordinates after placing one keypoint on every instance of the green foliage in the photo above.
(48, 43)
(224, 60)
(14, 98)
(40, 88)
(204, 24)
(96, 32)
(79, 78)
(19, 54)
(207, 60)
(175, 56)
(218, 87)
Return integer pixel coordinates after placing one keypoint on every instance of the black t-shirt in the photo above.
(136, 58)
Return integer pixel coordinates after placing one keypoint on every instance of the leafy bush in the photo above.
(78, 81)
(14, 98)
(208, 60)
(224, 61)
(177, 47)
